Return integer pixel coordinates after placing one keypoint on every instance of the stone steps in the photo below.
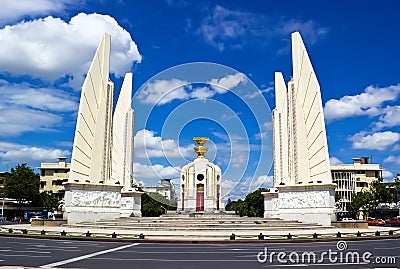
(206, 226)
(196, 226)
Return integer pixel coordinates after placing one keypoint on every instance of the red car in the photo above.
(375, 222)
(380, 222)
(394, 221)
(371, 221)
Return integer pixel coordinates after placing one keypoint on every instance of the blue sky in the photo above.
(46, 48)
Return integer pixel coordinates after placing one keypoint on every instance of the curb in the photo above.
(198, 241)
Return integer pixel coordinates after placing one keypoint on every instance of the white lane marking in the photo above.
(388, 248)
(287, 265)
(56, 264)
(171, 260)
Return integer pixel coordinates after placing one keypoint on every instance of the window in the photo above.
(362, 184)
(49, 172)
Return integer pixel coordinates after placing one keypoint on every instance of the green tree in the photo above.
(380, 193)
(361, 201)
(22, 184)
(238, 206)
(154, 204)
(255, 203)
(251, 206)
(368, 200)
(48, 200)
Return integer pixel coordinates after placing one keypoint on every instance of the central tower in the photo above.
(200, 183)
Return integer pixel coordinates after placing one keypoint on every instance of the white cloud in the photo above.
(367, 103)
(16, 121)
(389, 118)
(51, 48)
(378, 141)
(162, 91)
(387, 176)
(259, 92)
(266, 130)
(202, 93)
(144, 173)
(307, 29)
(12, 11)
(392, 159)
(23, 153)
(37, 98)
(148, 145)
(239, 189)
(263, 181)
(334, 160)
(224, 24)
(24, 108)
(228, 185)
(224, 28)
(231, 116)
(222, 85)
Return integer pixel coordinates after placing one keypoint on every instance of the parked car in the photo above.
(380, 222)
(36, 218)
(375, 222)
(394, 221)
(347, 219)
(371, 221)
(17, 219)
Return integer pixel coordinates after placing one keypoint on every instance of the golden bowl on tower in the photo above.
(201, 150)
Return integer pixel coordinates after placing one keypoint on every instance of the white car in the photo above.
(36, 218)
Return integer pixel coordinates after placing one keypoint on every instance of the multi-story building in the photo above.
(53, 175)
(353, 178)
(165, 188)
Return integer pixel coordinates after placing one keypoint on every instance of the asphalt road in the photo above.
(48, 253)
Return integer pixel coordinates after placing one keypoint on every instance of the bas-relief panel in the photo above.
(304, 199)
(95, 198)
(127, 202)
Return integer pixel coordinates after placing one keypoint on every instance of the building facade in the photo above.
(165, 188)
(353, 178)
(53, 175)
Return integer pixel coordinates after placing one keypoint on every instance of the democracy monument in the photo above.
(303, 188)
(100, 185)
(201, 183)
(100, 181)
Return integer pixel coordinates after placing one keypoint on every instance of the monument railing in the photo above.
(256, 237)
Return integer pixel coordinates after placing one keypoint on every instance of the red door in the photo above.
(200, 198)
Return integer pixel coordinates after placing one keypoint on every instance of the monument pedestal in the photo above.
(271, 204)
(313, 203)
(131, 203)
(91, 202)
